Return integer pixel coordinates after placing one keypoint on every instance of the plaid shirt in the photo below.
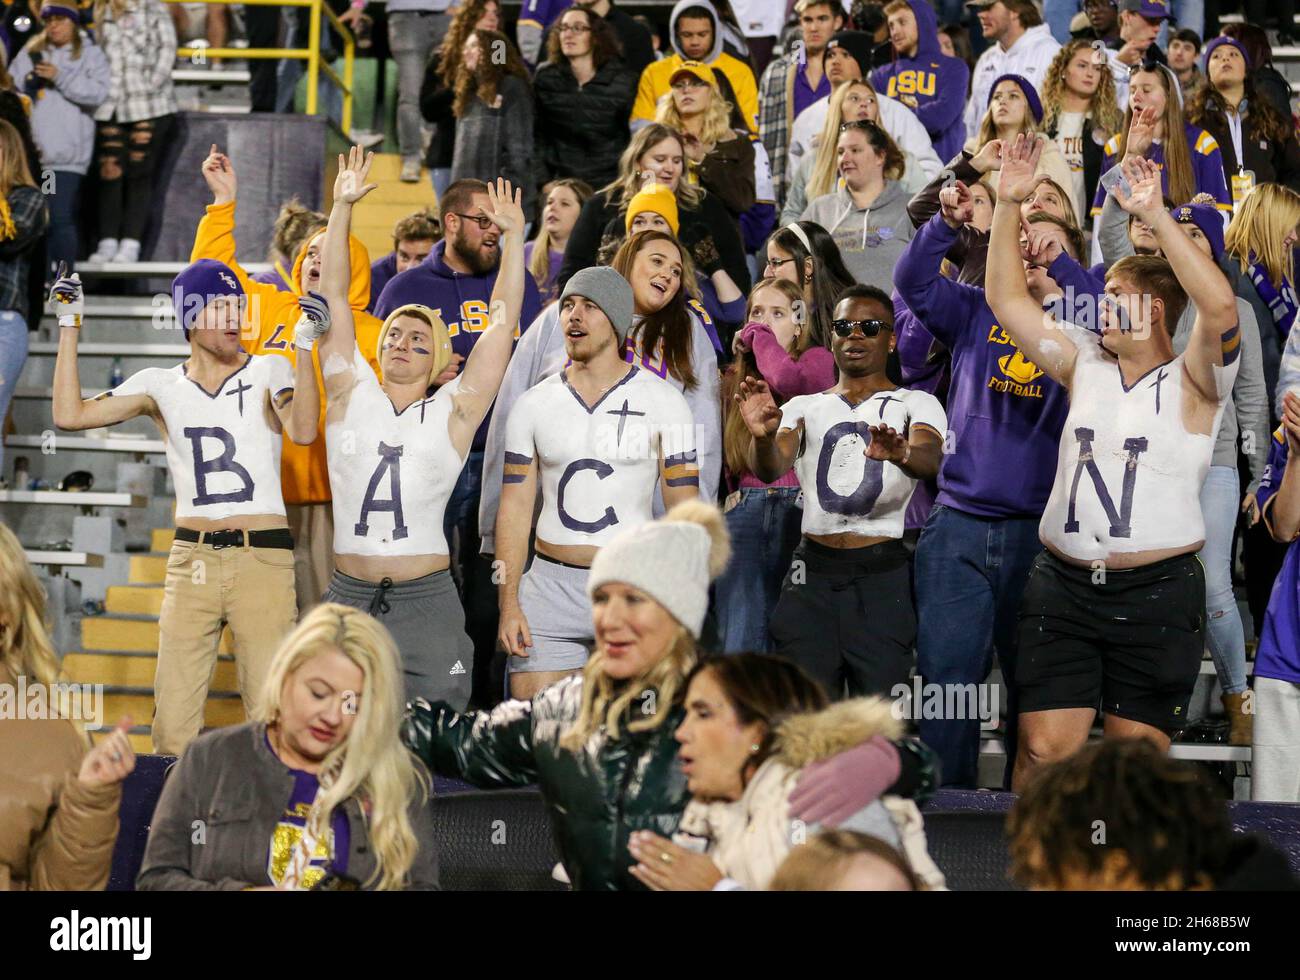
(775, 100)
(27, 208)
(141, 50)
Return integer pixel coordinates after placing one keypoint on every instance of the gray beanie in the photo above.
(672, 560)
(608, 290)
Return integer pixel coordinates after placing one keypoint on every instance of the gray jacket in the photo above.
(497, 141)
(1247, 411)
(871, 240)
(220, 804)
(63, 113)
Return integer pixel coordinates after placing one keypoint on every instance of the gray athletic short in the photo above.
(553, 598)
(428, 625)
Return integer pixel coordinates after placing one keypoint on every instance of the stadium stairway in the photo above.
(391, 201)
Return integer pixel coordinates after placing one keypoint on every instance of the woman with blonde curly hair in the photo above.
(59, 797)
(599, 744)
(317, 792)
(1080, 113)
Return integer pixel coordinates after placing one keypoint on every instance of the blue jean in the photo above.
(329, 97)
(13, 355)
(1220, 497)
(970, 577)
(61, 239)
(764, 528)
(1058, 14)
(440, 178)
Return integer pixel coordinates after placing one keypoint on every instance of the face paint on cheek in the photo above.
(420, 350)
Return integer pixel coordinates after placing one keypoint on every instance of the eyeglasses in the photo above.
(482, 220)
(574, 29)
(869, 328)
(1146, 64)
(777, 263)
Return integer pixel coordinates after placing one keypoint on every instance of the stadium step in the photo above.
(145, 600)
(391, 201)
(149, 569)
(161, 539)
(129, 668)
(128, 633)
(139, 736)
(222, 708)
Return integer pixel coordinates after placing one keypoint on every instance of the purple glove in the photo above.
(832, 790)
(747, 334)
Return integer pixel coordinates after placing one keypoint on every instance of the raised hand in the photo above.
(505, 206)
(1041, 247)
(314, 321)
(758, 408)
(956, 204)
(1145, 198)
(111, 761)
(1019, 164)
(887, 445)
(350, 185)
(219, 172)
(67, 301)
(988, 158)
(1141, 132)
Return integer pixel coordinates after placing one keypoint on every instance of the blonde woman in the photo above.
(1080, 113)
(135, 122)
(317, 792)
(1014, 108)
(656, 154)
(1259, 252)
(818, 174)
(721, 158)
(600, 744)
(58, 797)
(563, 200)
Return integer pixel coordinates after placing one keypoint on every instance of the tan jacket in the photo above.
(55, 834)
(750, 837)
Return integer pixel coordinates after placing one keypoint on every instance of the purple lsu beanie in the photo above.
(197, 285)
(1220, 40)
(1026, 86)
(60, 10)
(1207, 218)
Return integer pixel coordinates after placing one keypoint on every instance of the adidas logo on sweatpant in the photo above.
(457, 668)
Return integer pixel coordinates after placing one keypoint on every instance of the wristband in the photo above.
(70, 320)
(907, 454)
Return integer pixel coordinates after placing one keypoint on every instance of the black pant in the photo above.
(845, 616)
(263, 27)
(128, 155)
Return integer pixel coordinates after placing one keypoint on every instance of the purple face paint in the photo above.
(420, 350)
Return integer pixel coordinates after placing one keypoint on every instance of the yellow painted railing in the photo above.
(310, 54)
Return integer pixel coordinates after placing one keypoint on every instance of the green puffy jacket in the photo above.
(596, 797)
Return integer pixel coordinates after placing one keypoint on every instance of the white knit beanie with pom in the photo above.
(672, 560)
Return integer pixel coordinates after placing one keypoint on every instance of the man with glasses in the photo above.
(975, 552)
(456, 282)
(845, 613)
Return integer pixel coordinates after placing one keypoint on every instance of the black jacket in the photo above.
(435, 106)
(582, 130)
(1271, 162)
(709, 234)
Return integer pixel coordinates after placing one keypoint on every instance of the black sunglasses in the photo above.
(864, 124)
(869, 328)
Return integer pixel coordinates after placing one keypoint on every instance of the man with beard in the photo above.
(598, 436)
(845, 614)
(456, 282)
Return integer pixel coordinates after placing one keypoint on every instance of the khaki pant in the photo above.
(312, 526)
(251, 589)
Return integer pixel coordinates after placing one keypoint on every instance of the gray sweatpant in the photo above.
(428, 625)
(1275, 750)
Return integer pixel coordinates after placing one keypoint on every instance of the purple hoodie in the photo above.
(1005, 414)
(462, 302)
(937, 82)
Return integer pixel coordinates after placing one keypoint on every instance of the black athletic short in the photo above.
(1128, 641)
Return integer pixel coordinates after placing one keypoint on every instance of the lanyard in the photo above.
(1234, 130)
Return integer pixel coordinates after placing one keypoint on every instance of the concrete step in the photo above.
(125, 668)
(129, 632)
(141, 600)
(149, 569)
(162, 539)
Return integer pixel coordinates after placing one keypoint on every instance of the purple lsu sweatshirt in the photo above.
(935, 80)
(1004, 413)
(461, 300)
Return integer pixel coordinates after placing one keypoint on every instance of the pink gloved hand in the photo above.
(832, 790)
(747, 334)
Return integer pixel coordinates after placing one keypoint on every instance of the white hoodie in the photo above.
(1029, 57)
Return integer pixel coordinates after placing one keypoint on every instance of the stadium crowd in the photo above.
(725, 392)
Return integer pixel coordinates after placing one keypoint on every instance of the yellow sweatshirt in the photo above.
(655, 79)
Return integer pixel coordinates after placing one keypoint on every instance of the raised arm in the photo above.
(71, 411)
(773, 453)
(1215, 342)
(1039, 337)
(1282, 510)
(487, 363)
(336, 271)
